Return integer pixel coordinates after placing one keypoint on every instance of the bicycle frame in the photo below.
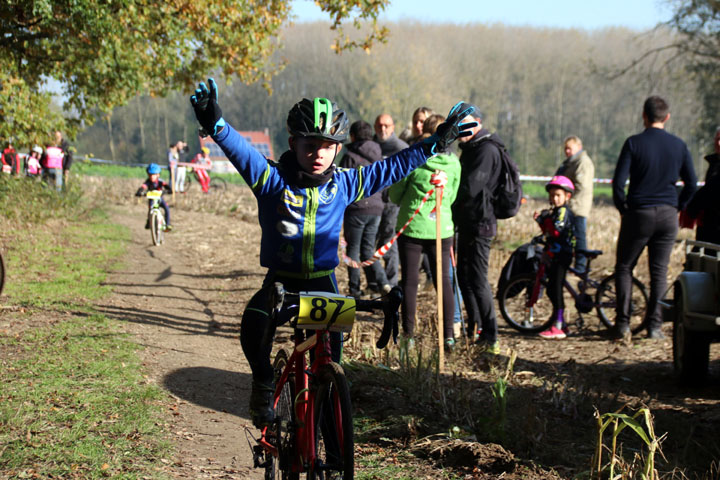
(575, 294)
(304, 401)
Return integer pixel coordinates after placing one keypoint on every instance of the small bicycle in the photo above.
(525, 307)
(156, 217)
(313, 430)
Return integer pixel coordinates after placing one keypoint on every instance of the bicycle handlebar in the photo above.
(280, 299)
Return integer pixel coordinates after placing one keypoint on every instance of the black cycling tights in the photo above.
(255, 321)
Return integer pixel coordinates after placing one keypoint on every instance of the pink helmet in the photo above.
(558, 181)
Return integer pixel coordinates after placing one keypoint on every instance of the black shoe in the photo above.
(147, 225)
(261, 404)
(655, 334)
(620, 331)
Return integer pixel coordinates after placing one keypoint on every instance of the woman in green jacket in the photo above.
(419, 237)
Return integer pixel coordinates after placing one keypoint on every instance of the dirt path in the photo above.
(182, 301)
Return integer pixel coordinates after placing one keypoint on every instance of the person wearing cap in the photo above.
(480, 163)
(63, 144)
(652, 160)
(558, 226)
(580, 169)
(301, 204)
(202, 159)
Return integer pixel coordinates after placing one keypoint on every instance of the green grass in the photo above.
(74, 402)
(64, 269)
(120, 171)
(75, 405)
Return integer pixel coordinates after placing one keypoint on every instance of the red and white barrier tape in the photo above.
(383, 249)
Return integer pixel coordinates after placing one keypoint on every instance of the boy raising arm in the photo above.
(301, 203)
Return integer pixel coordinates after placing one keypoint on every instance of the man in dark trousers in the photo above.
(480, 161)
(390, 144)
(653, 160)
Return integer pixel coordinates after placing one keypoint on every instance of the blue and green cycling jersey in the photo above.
(301, 226)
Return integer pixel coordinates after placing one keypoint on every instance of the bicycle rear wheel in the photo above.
(334, 444)
(513, 298)
(218, 185)
(605, 298)
(283, 427)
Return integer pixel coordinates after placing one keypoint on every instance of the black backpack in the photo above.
(508, 194)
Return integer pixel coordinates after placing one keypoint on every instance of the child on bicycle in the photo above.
(557, 225)
(301, 203)
(154, 182)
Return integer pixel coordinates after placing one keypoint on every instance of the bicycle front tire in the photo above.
(605, 299)
(334, 443)
(283, 427)
(513, 298)
(2, 273)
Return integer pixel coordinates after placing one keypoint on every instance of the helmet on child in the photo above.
(37, 149)
(558, 181)
(318, 118)
(205, 150)
(153, 169)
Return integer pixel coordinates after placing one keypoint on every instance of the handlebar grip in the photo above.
(391, 302)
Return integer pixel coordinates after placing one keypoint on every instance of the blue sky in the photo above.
(583, 14)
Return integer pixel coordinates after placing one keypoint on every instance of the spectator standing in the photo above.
(181, 170)
(653, 160)
(67, 154)
(390, 144)
(480, 161)
(420, 235)
(705, 204)
(52, 162)
(362, 218)
(9, 158)
(580, 169)
(173, 158)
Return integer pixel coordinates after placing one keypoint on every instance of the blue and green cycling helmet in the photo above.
(318, 118)
(153, 169)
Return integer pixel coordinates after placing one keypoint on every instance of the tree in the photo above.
(105, 53)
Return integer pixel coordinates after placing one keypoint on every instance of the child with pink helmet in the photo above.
(557, 225)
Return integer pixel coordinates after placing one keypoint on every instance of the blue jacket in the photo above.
(301, 226)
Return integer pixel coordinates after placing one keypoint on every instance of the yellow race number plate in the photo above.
(154, 194)
(318, 309)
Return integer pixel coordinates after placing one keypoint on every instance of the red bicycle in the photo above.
(313, 432)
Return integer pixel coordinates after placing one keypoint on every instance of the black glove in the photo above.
(207, 110)
(140, 192)
(451, 129)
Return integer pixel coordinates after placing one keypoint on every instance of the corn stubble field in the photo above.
(541, 409)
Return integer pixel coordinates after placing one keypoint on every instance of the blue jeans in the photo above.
(386, 231)
(57, 175)
(360, 235)
(580, 225)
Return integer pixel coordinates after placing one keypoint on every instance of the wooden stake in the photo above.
(438, 276)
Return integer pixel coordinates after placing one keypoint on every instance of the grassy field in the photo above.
(120, 171)
(74, 402)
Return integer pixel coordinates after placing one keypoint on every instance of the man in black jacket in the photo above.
(653, 160)
(390, 144)
(363, 217)
(475, 221)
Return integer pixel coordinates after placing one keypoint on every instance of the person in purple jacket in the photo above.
(301, 203)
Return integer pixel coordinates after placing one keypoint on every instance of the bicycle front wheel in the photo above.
(154, 228)
(513, 302)
(283, 427)
(606, 300)
(334, 444)
(2, 273)
(218, 185)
